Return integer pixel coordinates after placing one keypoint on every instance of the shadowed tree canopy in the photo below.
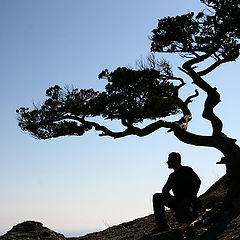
(130, 96)
(205, 40)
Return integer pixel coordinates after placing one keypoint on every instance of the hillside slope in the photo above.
(213, 222)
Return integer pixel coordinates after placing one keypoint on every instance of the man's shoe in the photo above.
(161, 228)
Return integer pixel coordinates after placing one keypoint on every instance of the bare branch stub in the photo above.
(189, 99)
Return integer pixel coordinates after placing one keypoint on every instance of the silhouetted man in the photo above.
(184, 183)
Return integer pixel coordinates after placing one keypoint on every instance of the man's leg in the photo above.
(159, 201)
(158, 209)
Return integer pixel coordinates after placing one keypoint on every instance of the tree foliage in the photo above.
(130, 96)
(151, 92)
(215, 34)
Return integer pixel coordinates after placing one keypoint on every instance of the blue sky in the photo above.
(79, 184)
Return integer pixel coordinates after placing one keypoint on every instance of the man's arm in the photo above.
(168, 186)
(196, 183)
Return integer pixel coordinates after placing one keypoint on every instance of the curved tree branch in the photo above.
(211, 68)
(187, 115)
(180, 85)
(213, 97)
(188, 68)
(131, 130)
(221, 61)
(212, 100)
(194, 139)
(189, 99)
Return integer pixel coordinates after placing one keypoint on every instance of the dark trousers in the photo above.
(159, 203)
(185, 209)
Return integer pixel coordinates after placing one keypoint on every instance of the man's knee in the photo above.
(157, 197)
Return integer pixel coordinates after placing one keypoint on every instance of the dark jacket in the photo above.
(184, 183)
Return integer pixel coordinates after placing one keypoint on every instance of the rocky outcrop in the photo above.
(31, 230)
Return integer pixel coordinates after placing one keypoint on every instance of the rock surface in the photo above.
(213, 222)
(31, 230)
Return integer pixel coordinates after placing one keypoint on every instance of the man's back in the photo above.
(184, 183)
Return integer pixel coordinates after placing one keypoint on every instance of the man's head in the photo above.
(174, 160)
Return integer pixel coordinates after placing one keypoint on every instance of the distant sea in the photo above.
(76, 233)
(68, 233)
(2, 233)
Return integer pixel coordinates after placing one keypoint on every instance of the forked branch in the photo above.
(213, 97)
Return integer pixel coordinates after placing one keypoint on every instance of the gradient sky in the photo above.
(79, 184)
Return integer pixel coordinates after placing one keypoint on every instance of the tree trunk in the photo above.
(231, 158)
(218, 140)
